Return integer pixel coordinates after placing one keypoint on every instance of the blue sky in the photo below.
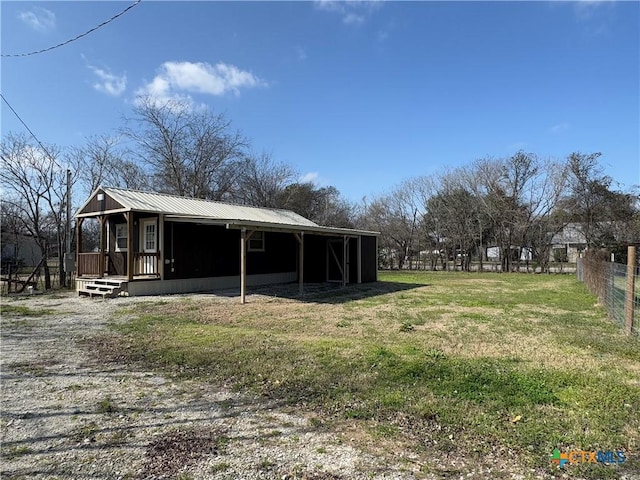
(359, 95)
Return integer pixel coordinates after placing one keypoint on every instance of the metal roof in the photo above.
(208, 211)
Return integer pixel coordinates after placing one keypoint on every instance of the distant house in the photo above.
(20, 249)
(153, 243)
(568, 244)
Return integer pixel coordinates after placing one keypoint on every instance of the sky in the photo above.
(360, 95)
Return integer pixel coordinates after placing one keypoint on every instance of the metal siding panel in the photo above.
(191, 285)
(369, 259)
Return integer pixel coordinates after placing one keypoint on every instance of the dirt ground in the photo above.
(67, 415)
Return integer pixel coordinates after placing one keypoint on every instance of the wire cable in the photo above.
(30, 131)
(78, 37)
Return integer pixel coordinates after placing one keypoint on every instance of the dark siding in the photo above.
(280, 255)
(200, 251)
(334, 268)
(369, 259)
(95, 206)
(315, 259)
(213, 251)
(353, 260)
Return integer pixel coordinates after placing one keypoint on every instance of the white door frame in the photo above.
(149, 264)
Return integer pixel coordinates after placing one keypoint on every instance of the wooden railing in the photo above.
(88, 264)
(145, 263)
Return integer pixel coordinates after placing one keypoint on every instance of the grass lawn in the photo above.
(442, 365)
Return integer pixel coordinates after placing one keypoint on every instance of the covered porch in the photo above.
(127, 247)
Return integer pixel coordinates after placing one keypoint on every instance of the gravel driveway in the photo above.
(66, 414)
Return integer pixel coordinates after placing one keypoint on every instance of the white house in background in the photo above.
(569, 240)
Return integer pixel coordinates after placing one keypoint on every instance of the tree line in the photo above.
(512, 203)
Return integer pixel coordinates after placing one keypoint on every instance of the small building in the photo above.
(568, 244)
(151, 243)
(19, 249)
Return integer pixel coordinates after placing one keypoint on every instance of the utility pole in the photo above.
(67, 255)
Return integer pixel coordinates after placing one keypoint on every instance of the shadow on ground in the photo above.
(331, 293)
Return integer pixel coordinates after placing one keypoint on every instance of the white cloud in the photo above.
(39, 19)
(310, 177)
(595, 16)
(177, 80)
(353, 19)
(109, 83)
(353, 12)
(559, 128)
(586, 9)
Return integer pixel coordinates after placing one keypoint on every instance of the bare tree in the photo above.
(101, 161)
(453, 212)
(398, 216)
(323, 205)
(192, 153)
(593, 204)
(35, 190)
(261, 181)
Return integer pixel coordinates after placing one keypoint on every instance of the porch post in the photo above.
(359, 258)
(300, 238)
(129, 217)
(160, 245)
(78, 245)
(243, 265)
(377, 258)
(344, 261)
(103, 245)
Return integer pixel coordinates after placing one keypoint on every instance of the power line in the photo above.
(30, 131)
(27, 54)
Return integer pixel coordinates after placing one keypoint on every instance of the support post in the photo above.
(300, 239)
(160, 243)
(359, 258)
(630, 296)
(344, 261)
(243, 265)
(244, 238)
(377, 258)
(103, 245)
(130, 257)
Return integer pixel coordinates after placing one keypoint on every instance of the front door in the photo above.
(149, 243)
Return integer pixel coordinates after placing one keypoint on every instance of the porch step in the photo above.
(103, 288)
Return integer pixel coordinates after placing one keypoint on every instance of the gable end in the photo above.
(95, 205)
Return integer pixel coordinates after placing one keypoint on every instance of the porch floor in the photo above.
(118, 277)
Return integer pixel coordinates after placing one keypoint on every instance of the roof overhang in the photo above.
(236, 224)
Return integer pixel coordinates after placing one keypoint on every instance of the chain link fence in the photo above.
(609, 282)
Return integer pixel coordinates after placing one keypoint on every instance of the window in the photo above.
(150, 236)
(256, 242)
(121, 237)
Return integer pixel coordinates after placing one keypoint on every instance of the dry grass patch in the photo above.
(449, 359)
